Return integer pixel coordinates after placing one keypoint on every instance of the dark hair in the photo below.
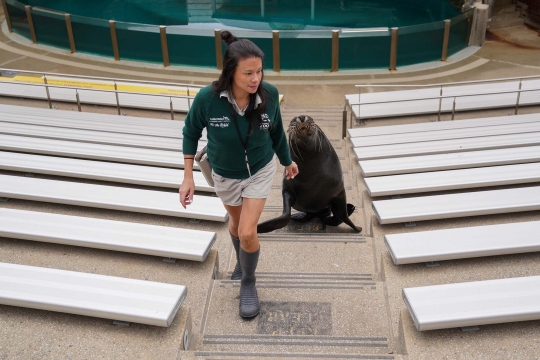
(239, 50)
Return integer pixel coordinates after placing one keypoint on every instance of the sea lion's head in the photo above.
(306, 136)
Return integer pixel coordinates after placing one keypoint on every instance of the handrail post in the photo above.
(71, 38)
(172, 110)
(31, 23)
(114, 40)
(117, 100)
(446, 39)
(219, 50)
(78, 100)
(335, 50)
(393, 49)
(8, 20)
(518, 96)
(440, 105)
(344, 124)
(275, 51)
(164, 47)
(47, 91)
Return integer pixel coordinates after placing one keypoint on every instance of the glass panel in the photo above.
(192, 47)
(306, 50)
(17, 15)
(420, 43)
(50, 27)
(92, 36)
(460, 31)
(139, 42)
(364, 48)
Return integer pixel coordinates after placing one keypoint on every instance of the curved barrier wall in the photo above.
(297, 49)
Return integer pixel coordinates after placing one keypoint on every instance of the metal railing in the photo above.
(348, 104)
(114, 82)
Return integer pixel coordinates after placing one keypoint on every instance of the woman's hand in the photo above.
(186, 192)
(291, 171)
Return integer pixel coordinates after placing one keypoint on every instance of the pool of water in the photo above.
(260, 14)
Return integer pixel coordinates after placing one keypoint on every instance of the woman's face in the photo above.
(247, 77)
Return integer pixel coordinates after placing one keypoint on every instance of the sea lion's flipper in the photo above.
(302, 216)
(306, 216)
(280, 221)
(334, 221)
(339, 209)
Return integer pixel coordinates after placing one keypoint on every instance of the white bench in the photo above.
(474, 303)
(91, 121)
(111, 197)
(122, 236)
(473, 132)
(453, 179)
(99, 170)
(108, 297)
(471, 159)
(97, 137)
(447, 146)
(480, 99)
(462, 243)
(123, 154)
(94, 97)
(440, 125)
(457, 205)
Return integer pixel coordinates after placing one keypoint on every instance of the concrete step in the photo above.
(336, 257)
(319, 317)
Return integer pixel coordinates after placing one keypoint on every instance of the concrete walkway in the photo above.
(346, 281)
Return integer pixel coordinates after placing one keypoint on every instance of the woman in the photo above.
(244, 129)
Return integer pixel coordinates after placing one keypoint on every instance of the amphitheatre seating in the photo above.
(92, 121)
(453, 179)
(447, 146)
(99, 97)
(461, 243)
(111, 197)
(461, 160)
(130, 237)
(121, 154)
(92, 136)
(437, 135)
(99, 170)
(116, 298)
(440, 125)
(457, 205)
(474, 303)
(396, 104)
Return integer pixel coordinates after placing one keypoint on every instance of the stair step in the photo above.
(319, 317)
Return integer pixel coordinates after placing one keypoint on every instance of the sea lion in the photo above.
(318, 190)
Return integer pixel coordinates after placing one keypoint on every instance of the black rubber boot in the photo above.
(249, 301)
(237, 272)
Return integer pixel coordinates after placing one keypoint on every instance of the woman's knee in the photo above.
(247, 235)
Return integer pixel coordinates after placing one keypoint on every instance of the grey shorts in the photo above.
(231, 191)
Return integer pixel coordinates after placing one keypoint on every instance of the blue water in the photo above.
(252, 14)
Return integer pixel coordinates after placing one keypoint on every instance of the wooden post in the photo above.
(393, 49)
(335, 50)
(114, 40)
(445, 40)
(31, 23)
(70, 33)
(8, 20)
(164, 47)
(275, 50)
(219, 51)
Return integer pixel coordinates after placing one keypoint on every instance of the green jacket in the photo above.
(225, 151)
